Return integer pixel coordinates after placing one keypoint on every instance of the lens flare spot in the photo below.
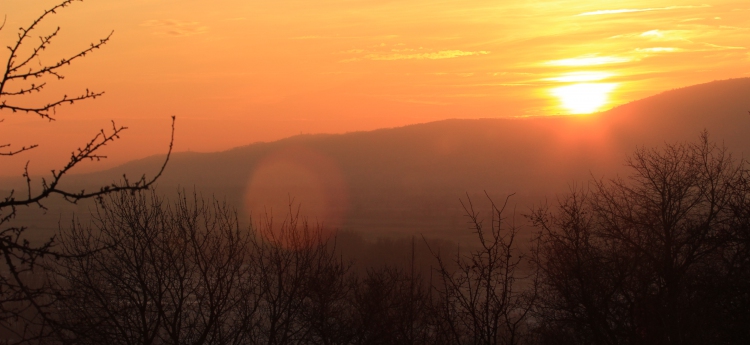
(310, 181)
(584, 98)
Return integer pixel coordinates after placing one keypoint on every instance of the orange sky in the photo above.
(240, 71)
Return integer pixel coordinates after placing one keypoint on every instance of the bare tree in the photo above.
(479, 298)
(153, 272)
(649, 259)
(23, 296)
(579, 281)
(392, 306)
(304, 285)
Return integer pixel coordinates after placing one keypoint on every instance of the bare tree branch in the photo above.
(87, 152)
(15, 68)
(15, 152)
(26, 297)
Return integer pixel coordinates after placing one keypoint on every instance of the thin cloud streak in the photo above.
(321, 37)
(658, 50)
(176, 28)
(589, 61)
(439, 55)
(632, 10)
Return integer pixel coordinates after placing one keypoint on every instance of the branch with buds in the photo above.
(18, 70)
(26, 300)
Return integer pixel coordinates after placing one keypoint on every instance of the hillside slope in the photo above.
(410, 179)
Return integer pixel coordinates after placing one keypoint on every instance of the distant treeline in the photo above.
(661, 256)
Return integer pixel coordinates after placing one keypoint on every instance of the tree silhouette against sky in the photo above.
(23, 298)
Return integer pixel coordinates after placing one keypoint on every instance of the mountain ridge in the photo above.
(409, 179)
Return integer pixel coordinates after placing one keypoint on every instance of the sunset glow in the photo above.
(236, 72)
(584, 98)
(303, 172)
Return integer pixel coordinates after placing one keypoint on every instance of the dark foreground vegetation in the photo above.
(658, 257)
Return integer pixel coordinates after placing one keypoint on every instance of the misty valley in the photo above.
(517, 231)
(456, 178)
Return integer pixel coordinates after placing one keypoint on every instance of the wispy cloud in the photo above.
(658, 35)
(581, 77)
(320, 37)
(417, 101)
(658, 50)
(589, 61)
(653, 33)
(443, 54)
(412, 54)
(721, 47)
(309, 37)
(175, 28)
(631, 10)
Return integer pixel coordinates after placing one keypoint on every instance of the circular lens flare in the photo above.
(584, 98)
(297, 184)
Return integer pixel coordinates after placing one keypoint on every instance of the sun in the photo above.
(584, 98)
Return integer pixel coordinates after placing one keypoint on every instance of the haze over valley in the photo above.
(408, 180)
(368, 172)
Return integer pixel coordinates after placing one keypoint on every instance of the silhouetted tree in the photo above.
(303, 285)
(657, 258)
(392, 305)
(24, 298)
(579, 281)
(479, 300)
(154, 272)
(147, 271)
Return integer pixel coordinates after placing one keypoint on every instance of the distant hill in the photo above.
(409, 179)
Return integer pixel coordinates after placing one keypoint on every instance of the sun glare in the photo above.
(584, 98)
